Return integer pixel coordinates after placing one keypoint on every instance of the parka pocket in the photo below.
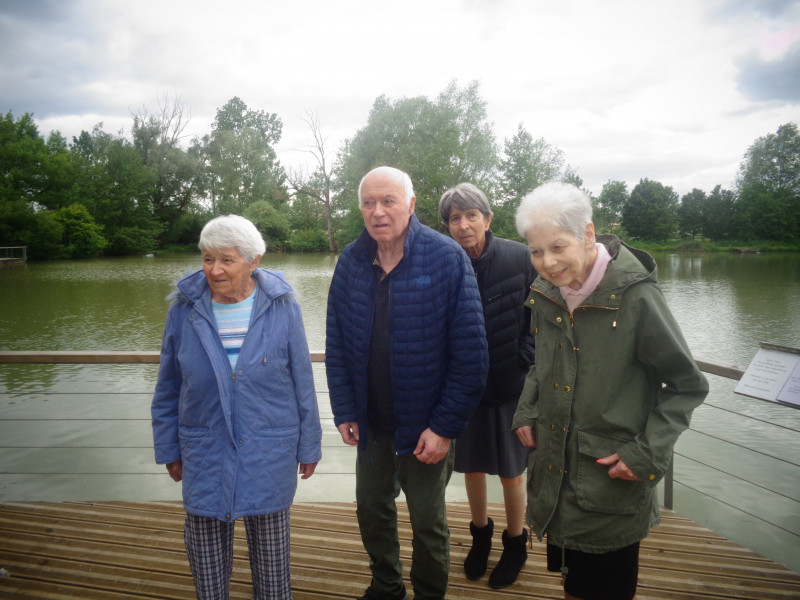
(598, 492)
(199, 482)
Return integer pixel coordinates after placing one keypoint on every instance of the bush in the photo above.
(308, 240)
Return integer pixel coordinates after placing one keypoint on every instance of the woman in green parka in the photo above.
(613, 387)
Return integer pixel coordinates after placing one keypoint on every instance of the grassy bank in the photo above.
(709, 246)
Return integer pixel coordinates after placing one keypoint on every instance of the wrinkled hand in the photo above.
(349, 433)
(175, 470)
(431, 447)
(307, 469)
(525, 435)
(617, 468)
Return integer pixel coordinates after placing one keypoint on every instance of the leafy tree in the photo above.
(692, 212)
(607, 211)
(719, 214)
(650, 213)
(116, 188)
(174, 172)
(526, 164)
(241, 166)
(270, 222)
(769, 187)
(438, 143)
(82, 237)
(773, 161)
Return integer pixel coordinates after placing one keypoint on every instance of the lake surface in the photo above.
(739, 475)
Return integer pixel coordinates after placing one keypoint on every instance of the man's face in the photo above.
(383, 206)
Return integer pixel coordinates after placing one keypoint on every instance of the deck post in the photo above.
(668, 483)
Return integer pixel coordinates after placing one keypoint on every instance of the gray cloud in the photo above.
(766, 80)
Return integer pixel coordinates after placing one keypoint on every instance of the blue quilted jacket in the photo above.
(240, 434)
(439, 355)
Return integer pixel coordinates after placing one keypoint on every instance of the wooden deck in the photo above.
(127, 550)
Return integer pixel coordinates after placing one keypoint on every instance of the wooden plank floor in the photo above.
(127, 550)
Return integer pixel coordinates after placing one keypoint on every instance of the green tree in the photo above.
(650, 213)
(768, 185)
(692, 212)
(81, 236)
(607, 211)
(773, 161)
(438, 143)
(272, 223)
(526, 164)
(116, 188)
(174, 172)
(720, 214)
(241, 166)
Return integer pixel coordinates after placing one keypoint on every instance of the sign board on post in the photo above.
(774, 375)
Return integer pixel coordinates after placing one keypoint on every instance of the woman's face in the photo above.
(228, 274)
(560, 257)
(468, 228)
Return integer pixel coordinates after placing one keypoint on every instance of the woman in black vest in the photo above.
(488, 446)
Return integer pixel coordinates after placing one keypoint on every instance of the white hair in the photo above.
(397, 175)
(233, 231)
(557, 204)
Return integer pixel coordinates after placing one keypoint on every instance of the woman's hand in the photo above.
(525, 435)
(617, 468)
(307, 469)
(175, 470)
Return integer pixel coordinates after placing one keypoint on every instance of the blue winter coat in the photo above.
(239, 434)
(438, 354)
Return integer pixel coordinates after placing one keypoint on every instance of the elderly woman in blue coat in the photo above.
(234, 411)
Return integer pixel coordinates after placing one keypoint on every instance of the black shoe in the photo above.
(478, 557)
(511, 562)
(371, 594)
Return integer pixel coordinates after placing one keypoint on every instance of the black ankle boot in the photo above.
(511, 562)
(478, 557)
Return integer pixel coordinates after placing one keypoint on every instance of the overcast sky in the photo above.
(673, 91)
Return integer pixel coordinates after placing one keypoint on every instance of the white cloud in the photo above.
(628, 89)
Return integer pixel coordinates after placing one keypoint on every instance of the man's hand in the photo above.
(617, 468)
(349, 433)
(307, 469)
(431, 447)
(175, 470)
(525, 435)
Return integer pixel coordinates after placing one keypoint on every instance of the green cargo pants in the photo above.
(380, 475)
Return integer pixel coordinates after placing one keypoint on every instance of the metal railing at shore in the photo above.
(152, 357)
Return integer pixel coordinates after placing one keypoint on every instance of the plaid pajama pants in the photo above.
(209, 546)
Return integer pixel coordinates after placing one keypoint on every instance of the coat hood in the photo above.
(190, 289)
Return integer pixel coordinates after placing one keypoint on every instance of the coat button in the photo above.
(567, 388)
(652, 477)
(558, 319)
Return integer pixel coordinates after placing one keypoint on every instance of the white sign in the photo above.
(774, 374)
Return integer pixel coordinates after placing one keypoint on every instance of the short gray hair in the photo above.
(560, 205)
(464, 196)
(397, 175)
(233, 231)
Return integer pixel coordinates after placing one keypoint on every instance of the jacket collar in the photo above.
(628, 266)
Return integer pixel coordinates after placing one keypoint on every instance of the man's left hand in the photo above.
(431, 447)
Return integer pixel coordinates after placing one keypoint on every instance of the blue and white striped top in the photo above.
(233, 321)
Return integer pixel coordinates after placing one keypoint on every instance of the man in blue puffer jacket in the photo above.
(406, 360)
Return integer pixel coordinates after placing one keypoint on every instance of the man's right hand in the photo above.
(349, 433)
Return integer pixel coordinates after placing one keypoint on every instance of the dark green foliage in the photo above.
(650, 213)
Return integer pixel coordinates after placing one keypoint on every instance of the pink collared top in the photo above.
(574, 298)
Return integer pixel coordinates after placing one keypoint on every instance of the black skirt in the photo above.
(489, 446)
